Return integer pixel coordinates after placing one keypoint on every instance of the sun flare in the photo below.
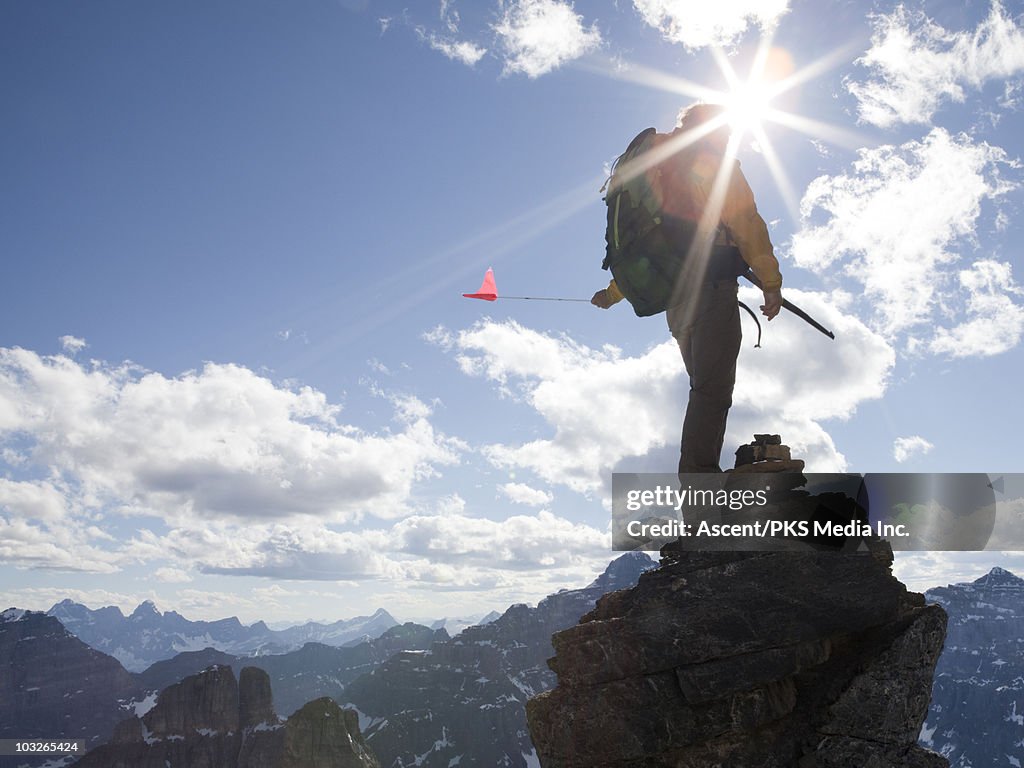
(747, 106)
(765, 97)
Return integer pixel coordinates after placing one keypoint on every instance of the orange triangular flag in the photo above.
(488, 290)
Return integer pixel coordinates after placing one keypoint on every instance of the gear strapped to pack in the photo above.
(647, 247)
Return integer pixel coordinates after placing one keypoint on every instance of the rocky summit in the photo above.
(210, 720)
(746, 660)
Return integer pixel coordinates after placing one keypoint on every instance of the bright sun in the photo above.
(756, 101)
(746, 106)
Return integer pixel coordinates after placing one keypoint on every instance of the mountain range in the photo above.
(426, 698)
(148, 636)
(429, 698)
(462, 701)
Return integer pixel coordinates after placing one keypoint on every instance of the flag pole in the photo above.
(540, 298)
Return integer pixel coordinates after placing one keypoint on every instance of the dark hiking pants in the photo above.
(709, 337)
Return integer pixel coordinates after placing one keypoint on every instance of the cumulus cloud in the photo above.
(904, 448)
(698, 24)
(800, 380)
(538, 36)
(454, 548)
(32, 500)
(304, 552)
(222, 441)
(519, 542)
(995, 322)
(521, 493)
(896, 223)
(588, 396)
(72, 344)
(916, 65)
(227, 473)
(607, 411)
(62, 547)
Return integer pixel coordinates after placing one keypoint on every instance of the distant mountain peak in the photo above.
(624, 570)
(145, 609)
(999, 577)
(13, 614)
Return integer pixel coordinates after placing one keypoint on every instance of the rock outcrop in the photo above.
(746, 660)
(977, 711)
(210, 720)
(323, 735)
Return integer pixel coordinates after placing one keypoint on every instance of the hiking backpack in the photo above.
(645, 252)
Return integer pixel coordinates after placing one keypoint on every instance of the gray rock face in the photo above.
(211, 721)
(255, 701)
(53, 685)
(204, 702)
(746, 660)
(323, 735)
(977, 709)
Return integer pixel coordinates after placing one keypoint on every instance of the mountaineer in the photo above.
(677, 242)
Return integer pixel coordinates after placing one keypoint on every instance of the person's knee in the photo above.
(711, 393)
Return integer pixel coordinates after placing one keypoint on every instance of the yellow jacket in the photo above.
(743, 224)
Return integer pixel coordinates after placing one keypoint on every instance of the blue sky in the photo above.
(236, 372)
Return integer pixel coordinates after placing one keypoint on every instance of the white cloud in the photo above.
(280, 551)
(72, 344)
(995, 321)
(520, 493)
(520, 542)
(895, 223)
(599, 405)
(610, 412)
(904, 448)
(539, 36)
(27, 500)
(63, 547)
(172, 575)
(801, 379)
(698, 24)
(222, 441)
(457, 50)
(449, 16)
(453, 547)
(916, 64)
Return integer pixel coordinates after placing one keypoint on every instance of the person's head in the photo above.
(696, 115)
